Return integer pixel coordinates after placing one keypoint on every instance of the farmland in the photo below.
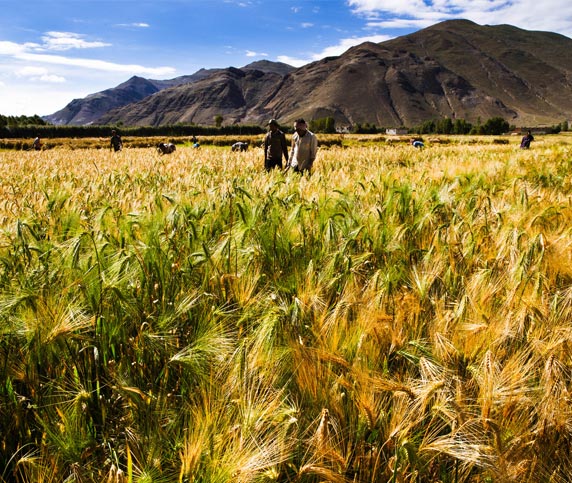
(401, 315)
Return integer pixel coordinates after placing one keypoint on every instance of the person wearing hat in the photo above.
(275, 146)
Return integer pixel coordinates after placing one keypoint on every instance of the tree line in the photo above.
(32, 126)
(493, 126)
(16, 121)
(27, 127)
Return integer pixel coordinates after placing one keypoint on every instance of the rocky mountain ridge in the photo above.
(456, 69)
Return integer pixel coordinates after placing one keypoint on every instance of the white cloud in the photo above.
(19, 99)
(251, 53)
(52, 79)
(11, 48)
(292, 60)
(549, 15)
(67, 40)
(239, 3)
(306, 25)
(345, 44)
(333, 50)
(401, 23)
(31, 71)
(95, 64)
(62, 41)
(52, 41)
(39, 74)
(141, 25)
(38, 81)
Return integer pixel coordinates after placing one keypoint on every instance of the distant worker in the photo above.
(304, 148)
(37, 144)
(239, 146)
(116, 142)
(526, 140)
(275, 146)
(416, 143)
(166, 148)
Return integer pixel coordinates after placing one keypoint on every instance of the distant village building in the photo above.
(534, 130)
(396, 131)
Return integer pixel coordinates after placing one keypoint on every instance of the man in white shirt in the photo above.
(304, 148)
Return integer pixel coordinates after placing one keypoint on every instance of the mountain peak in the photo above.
(269, 66)
(456, 69)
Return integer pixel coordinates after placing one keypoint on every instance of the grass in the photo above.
(401, 315)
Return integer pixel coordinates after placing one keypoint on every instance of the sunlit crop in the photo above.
(401, 315)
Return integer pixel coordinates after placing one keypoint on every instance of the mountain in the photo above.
(236, 94)
(268, 66)
(454, 69)
(88, 110)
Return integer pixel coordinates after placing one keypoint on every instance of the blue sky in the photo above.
(53, 51)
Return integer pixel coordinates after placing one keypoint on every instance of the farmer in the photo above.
(275, 146)
(304, 148)
(416, 143)
(166, 148)
(116, 142)
(37, 144)
(526, 140)
(239, 146)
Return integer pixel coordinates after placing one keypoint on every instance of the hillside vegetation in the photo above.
(401, 315)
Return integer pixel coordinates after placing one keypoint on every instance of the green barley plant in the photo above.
(397, 316)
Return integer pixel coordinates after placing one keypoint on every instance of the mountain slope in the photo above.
(89, 109)
(231, 92)
(455, 69)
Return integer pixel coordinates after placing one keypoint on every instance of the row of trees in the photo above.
(493, 126)
(51, 131)
(17, 121)
(31, 126)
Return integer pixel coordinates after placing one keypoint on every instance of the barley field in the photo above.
(401, 315)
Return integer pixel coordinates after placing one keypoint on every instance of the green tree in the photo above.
(323, 125)
(428, 127)
(218, 120)
(462, 127)
(495, 126)
(444, 126)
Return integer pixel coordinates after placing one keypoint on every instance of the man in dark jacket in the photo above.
(116, 142)
(526, 140)
(275, 146)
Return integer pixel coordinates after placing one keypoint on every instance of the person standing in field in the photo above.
(116, 142)
(304, 148)
(526, 140)
(37, 144)
(275, 146)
